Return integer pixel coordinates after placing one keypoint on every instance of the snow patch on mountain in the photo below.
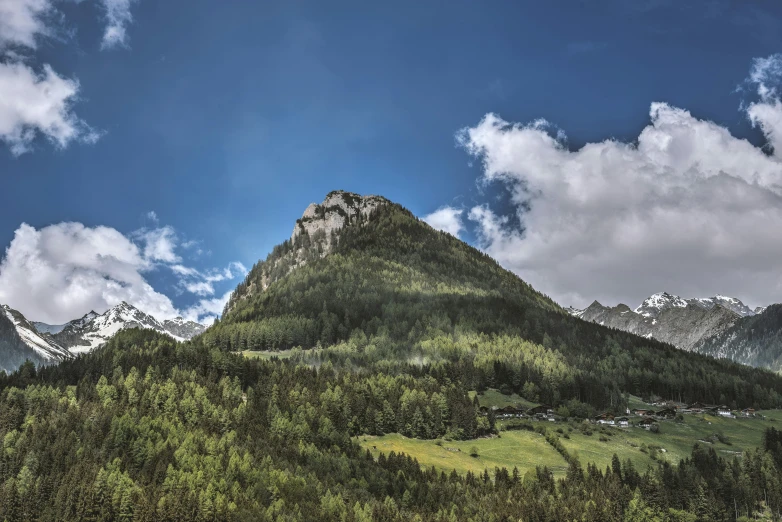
(669, 318)
(42, 344)
(93, 330)
(656, 303)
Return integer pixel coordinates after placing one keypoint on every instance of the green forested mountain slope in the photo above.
(147, 429)
(399, 323)
(416, 292)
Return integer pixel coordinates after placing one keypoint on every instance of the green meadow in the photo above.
(590, 443)
(267, 354)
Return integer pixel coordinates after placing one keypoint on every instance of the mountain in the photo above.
(313, 237)
(669, 318)
(43, 345)
(755, 340)
(87, 333)
(14, 351)
(393, 328)
(48, 328)
(183, 328)
(362, 267)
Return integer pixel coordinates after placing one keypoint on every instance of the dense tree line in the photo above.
(147, 429)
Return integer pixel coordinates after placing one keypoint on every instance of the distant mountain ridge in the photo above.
(87, 333)
(41, 343)
(46, 344)
(755, 340)
(681, 322)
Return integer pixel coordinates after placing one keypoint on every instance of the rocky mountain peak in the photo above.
(667, 317)
(656, 303)
(338, 209)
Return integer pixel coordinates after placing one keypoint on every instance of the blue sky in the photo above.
(227, 118)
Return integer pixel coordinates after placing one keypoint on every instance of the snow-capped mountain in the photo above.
(731, 303)
(87, 333)
(44, 343)
(41, 343)
(45, 328)
(669, 318)
(655, 304)
(183, 328)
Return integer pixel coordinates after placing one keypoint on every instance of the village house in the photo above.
(510, 412)
(748, 412)
(645, 423)
(622, 422)
(543, 411)
(697, 407)
(724, 411)
(605, 418)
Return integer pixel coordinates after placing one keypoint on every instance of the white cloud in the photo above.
(62, 271)
(207, 310)
(118, 17)
(159, 244)
(41, 103)
(34, 104)
(200, 288)
(22, 21)
(200, 283)
(689, 208)
(447, 219)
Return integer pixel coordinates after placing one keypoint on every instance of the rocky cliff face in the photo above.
(681, 322)
(314, 236)
(339, 209)
(755, 340)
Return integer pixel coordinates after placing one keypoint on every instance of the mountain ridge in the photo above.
(47, 344)
(715, 326)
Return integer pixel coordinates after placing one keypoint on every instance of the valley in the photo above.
(587, 441)
(364, 350)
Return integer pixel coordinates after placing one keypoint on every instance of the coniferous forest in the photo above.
(388, 333)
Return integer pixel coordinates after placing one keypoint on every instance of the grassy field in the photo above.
(523, 449)
(491, 398)
(265, 354)
(526, 449)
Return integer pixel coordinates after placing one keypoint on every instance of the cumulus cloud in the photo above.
(447, 219)
(37, 101)
(201, 283)
(22, 21)
(159, 244)
(33, 104)
(62, 271)
(207, 310)
(687, 208)
(118, 17)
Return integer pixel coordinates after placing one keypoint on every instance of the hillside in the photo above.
(753, 340)
(387, 280)
(391, 330)
(13, 351)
